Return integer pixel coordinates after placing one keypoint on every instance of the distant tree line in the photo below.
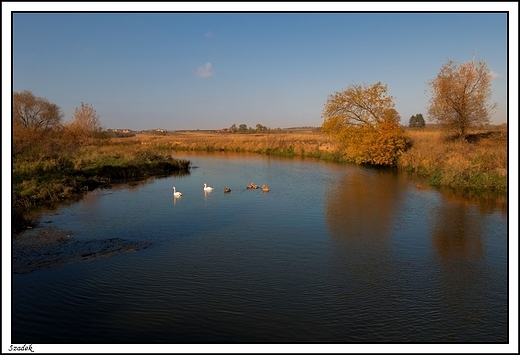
(417, 121)
(243, 129)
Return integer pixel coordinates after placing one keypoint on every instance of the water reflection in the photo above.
(468, 275)
(334, 252)
(362, 205)
(457, 232)
(175, 198)
(487, 202)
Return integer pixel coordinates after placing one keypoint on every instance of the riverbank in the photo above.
(46, 179)
(479, 162)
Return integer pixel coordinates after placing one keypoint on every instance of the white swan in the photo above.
(207, 188)
(176, 193)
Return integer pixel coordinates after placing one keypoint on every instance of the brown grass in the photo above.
(478, 161)
(291, 144)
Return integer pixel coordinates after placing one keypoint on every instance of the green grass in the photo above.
(46, 179)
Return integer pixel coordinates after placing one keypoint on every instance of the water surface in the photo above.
(333, 253)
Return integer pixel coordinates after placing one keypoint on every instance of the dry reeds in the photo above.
(285, 144)
(480, 161)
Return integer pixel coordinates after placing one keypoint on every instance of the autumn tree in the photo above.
(417, 121)
(85, 125)
(460, 95)
(363, 120)
(36, 122)
(34, 112)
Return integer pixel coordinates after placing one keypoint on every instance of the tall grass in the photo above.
(284, 144)
(49, 177)
(479, 161)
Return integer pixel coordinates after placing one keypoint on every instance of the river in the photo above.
(333, 253)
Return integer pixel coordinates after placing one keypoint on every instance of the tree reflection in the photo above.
(463, 275)
(487, 202)
(457, 229)
(362, 205)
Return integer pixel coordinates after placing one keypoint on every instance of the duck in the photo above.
(252, 186)
(265, 188)
(176, 193)
(227, 189)
(207, 188)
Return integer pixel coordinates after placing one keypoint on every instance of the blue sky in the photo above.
(211, 70)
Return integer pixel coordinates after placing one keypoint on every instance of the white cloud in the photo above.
(495, 75)
(205, 71)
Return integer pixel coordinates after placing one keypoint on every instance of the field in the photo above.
(288, 143)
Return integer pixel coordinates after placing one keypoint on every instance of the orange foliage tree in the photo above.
(364, 122)
(460, 95)
(85, 126)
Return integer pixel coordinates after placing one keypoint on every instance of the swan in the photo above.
(227, 189)
(176, 193)
(207, 188)
(265, 188)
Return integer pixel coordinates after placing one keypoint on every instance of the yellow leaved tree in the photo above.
(460, 95)
(363, 120)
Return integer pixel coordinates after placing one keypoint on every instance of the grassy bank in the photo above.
(284, 144)
(45, 178)
(479, 162)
